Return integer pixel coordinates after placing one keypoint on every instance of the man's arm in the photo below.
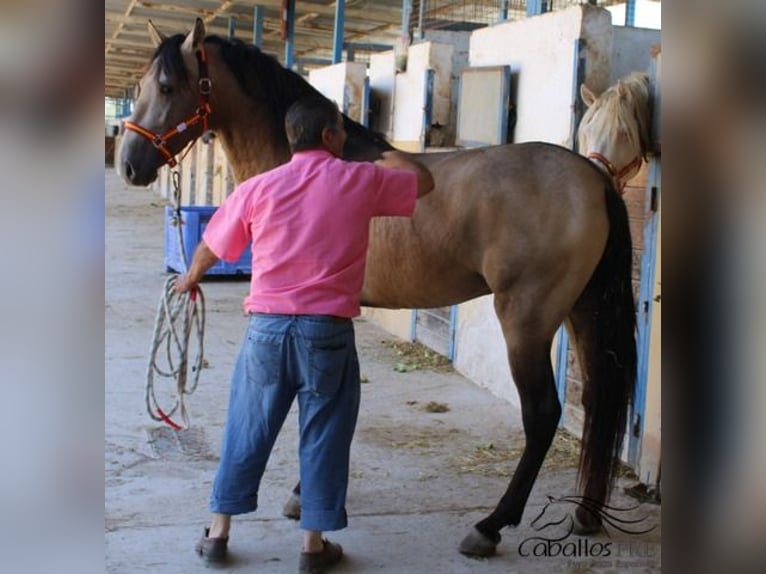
(400, 160)
(203, 260)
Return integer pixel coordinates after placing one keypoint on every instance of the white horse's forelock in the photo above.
(624, 107)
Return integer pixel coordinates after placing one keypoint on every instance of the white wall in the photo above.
(443, 133)
(398, 322)
(540, 52)
(631, 51)
(409, 93)
(343, 83)
(382, 74)
(401, 96)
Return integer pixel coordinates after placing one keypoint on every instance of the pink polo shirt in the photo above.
(307, 222)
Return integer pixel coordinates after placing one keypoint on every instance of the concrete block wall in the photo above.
(541, 53)
(382, 74)
(631, 51)
(442, 134)
(399, 97)
(343, 83)
(409, 132)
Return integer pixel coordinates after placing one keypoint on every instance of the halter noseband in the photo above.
(616, 174)
(160, 141)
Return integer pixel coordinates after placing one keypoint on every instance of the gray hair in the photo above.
(306, 119)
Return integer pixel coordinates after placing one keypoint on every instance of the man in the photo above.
(307, 222)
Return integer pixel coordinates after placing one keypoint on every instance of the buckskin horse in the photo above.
(536, 225)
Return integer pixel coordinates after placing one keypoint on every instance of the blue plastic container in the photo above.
(194, 219)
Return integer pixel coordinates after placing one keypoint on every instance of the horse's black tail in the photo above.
(604, 323)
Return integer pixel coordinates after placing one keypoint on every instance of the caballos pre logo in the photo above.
(556, 523)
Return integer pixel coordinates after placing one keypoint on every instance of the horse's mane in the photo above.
(265, 80)
(624, 106)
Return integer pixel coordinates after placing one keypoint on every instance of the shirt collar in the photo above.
(312, 153)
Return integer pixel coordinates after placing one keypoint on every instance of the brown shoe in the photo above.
(320, 562)
(212, 549)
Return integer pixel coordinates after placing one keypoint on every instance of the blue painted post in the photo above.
(366, 103)
(290, 42)
(503, 15)
(232, 27)
(535, 7)
(630, 13)
(406, 12)
(452, 330)
(578, 107)
(340, 22)
(258, 26)
(645, 303)
(421, 19)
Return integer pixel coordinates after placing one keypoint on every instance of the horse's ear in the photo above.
(587, 95)
(195, 37)
(156, 36)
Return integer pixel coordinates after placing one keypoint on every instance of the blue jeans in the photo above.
(313, 357)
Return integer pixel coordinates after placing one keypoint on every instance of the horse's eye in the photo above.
(165, 89)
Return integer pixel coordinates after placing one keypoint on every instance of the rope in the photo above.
(178, 317)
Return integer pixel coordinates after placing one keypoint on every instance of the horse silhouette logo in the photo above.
(556, 522)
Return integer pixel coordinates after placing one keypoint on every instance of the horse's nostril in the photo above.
(130, 173)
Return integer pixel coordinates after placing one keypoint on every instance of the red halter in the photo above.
(617, 175)
(160, 141)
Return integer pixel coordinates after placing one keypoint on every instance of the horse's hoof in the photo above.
(477, 545)
(292, 508)
(585, 528)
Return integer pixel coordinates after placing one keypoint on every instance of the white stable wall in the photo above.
(400, 97)
(382, 74)
(343, 83)
(631, 51)
(443, 133)
(409, 94)
(541, 51)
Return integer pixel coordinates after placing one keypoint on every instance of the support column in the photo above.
(258, 26)
(340, 22)
(406, 12)
(630, 13)
(289, 17)
(503, 14)
(536, 7)
(421, 18)
(232, 27)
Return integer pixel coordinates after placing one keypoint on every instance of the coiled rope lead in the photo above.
(178, 316)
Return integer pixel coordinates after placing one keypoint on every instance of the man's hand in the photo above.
(184, 283)
(203, 260)
(395, 159)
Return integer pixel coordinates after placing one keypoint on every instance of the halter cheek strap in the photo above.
(161, 141)
(617, 174)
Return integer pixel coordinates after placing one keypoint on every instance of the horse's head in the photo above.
(172, 107)
(614, 132)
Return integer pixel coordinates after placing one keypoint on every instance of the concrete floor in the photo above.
(419, 480)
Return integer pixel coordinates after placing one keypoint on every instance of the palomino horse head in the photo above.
(614, 132)
(172, 107)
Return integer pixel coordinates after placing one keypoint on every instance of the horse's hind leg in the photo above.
(529, 356)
